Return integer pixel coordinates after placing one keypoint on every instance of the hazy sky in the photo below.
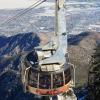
(10, 4)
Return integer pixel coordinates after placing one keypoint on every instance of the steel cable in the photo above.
(23, 12)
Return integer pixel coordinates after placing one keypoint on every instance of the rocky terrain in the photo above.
(80, 55)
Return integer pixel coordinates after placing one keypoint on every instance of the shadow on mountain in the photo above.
(76, 39)
(9, 46)
(25, 42)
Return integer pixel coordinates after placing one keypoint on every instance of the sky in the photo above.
(12, 4)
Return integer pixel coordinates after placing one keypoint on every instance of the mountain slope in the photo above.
(80, 49)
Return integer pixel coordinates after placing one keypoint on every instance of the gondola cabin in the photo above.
(48, 79)
(46, 70)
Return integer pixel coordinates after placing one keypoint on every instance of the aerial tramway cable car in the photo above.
(46, 70)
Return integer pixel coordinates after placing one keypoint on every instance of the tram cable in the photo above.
(17, 16)
(23, 12)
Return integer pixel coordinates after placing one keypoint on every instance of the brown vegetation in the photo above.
(80, 56)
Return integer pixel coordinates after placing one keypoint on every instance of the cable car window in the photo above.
(67, 75)
(45, 81)
(33, 79)
(58, 80)
(32, 58)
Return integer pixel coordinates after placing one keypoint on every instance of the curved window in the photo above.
(67, 75)
(48, 81)
(45, 81)
(33, 79)
(58, 80)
